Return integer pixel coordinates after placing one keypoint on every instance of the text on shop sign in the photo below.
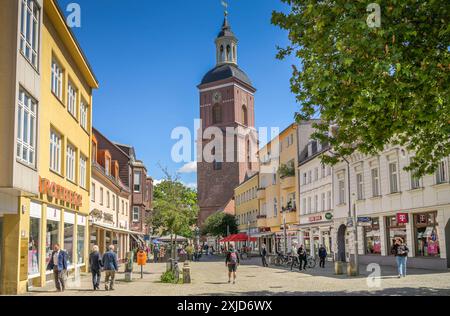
(59, 192)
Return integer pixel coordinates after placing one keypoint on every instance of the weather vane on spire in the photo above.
(225, 5)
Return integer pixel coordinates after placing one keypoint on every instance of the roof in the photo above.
(226, 71)
(226, 29)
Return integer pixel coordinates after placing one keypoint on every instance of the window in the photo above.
(324, 201)
(360, 186)
(26, 128)
(126, 208)
(84, 115)
(137, 182)
(395, 229)
(304, 178)
(123, 208)
(415, 182)
(393, 177)
(375, 182)
(341, 189)
(316, 203)
(81, 232)
(427, 239)
(51, 238)
(372, 236)
(442, 172)
(107, 199)
(107, 166)
(309, 206)
(324, 171)
(136, 214)
(30, 31)
(316, 174)
(55, 152)
(68, 239)
(33, 246)
(101, 196)
(57, 79)
(113, 202)
(244, 115)
(329, 200)
(72, 100)
(70, 163)
(309, 176)
(83, 163)
(304, 206)
(93, 192)
(217, 114)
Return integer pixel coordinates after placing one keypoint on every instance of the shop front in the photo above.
(315, 231)
(422, 231)
(103, 236)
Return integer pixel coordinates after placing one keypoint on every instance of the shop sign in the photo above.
(315, 218)
(422, 219)
(364, 220)
(402, 218)
(349, 222)
(328, 216)
(53, 190)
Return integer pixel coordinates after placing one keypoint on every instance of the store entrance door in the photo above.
(447, 242)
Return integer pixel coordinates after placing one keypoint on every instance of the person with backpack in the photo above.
(232, 262)
(302, 256)
(322, 256)
(400, 251)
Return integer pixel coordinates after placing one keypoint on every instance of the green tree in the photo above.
(175, 209)
(380, 85)
(219, 224)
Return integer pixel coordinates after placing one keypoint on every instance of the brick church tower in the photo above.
(226, 101)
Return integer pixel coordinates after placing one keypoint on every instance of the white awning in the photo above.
(262, 234)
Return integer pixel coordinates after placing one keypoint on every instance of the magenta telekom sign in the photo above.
(402, 218)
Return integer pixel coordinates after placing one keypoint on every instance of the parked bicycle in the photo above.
(281, 259)
(311, 262)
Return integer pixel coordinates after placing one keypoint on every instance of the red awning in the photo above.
(238, 237)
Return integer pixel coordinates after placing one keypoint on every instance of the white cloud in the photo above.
(156, 181)
(190, 167)
(192, 185)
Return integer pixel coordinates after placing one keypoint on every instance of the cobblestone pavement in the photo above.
(209, 277)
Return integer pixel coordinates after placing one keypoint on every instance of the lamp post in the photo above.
(355, 240)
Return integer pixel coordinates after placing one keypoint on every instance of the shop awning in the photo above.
(114, 229)
(262, 234)
(238, 237)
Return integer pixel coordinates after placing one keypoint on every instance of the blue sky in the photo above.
(149, 56)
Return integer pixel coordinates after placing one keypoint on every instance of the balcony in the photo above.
(287, 183)
(261, 194)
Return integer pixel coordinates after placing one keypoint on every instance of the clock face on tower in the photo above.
(217, 97)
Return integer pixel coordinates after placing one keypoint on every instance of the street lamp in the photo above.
(285, 234)
(355, 239)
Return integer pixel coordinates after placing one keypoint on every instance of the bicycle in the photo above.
(281, 259)
(311, 262)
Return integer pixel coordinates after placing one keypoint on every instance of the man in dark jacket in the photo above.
(58, 263)
(322, 256)
(111, 266)
(264, 255)
(302, 256)
(95, 262)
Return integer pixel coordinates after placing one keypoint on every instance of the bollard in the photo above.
(338, 267)
(186, 273)
(351, 269)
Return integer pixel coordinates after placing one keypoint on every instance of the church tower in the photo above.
(226, 102)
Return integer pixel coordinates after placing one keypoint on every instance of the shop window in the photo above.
(68, 241)
(372, 236)
(81, 231)
(427, 241)
(33, 246)
(395, 230)
(51, 238)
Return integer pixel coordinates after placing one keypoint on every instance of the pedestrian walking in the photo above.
(322, 256)
(400, 251)
(58, 263)
(155, 253)
(264, 255)
(232, 262)
(302, 256)
(96, 264)
(110, 266)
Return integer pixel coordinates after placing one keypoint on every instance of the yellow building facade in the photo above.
(55, 209)
(278, 191)
(247, 208)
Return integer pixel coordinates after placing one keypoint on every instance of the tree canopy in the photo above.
(386, 85)
(219, 224)
(175, 208)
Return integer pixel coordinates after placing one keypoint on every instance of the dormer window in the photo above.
(107, 166)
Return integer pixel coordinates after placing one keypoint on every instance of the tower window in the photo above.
(217, 114)
(244, 115)
(222, 57)
(228, 53)
(217, 165)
